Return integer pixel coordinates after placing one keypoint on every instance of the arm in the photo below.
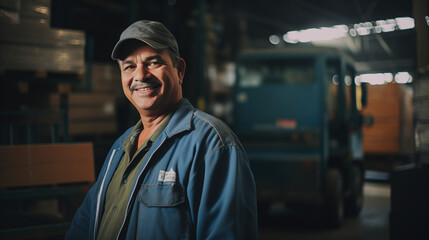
(223, 196)
(80, 226)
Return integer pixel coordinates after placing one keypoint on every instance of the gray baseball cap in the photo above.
(153, 33)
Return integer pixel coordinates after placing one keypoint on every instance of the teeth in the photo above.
(144, 89)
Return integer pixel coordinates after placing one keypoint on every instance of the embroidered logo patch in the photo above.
(169, 176)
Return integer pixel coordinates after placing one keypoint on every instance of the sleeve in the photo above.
(80, 226)
(223, 196)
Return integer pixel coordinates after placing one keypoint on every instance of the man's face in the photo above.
(150, 81)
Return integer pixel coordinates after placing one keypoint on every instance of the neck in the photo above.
(152, 118)
(149, 127)
(151, 121)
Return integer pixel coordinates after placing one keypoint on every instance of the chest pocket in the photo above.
(161, 195)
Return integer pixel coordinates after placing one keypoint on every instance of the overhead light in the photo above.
(348, 80)
(363, 28)
(339, 31)
(403, 77)
(376, 78)
(383, 78)
(377, 29)
(274, 39)
(362, 31)
(291, 37)
(335, 79)
(386, 25)
(405, 23)
(316, 34)
(307, 35)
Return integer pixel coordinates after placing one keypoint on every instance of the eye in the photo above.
(154, 64)
(128, 67)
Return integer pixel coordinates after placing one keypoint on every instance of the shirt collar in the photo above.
(132, 139)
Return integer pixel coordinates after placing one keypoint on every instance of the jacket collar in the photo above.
(181, 120)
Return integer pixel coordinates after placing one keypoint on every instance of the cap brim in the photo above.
(116, 53)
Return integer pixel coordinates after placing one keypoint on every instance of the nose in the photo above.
(141, 73)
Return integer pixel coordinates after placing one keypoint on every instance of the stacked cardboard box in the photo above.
(89, 113)
(106, 78)
(46, 164)
(35, 180)
(28, 43)
(26, 12)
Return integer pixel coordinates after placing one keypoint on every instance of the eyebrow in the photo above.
(150, 58)
(154, 57)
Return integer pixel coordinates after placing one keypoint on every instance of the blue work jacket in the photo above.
(194, 183)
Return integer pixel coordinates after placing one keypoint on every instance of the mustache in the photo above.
(143, 84)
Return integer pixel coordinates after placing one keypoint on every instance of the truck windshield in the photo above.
(257, 72)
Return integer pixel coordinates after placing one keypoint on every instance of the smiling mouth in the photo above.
(146, 88)
(140, 88)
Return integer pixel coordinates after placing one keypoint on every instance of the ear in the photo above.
(181, 68)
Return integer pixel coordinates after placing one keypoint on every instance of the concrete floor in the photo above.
(372, 224)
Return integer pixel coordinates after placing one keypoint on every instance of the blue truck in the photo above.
(297, 113)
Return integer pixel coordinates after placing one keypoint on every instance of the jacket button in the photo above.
(124, 181)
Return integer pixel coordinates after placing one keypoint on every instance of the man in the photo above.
(179, 173)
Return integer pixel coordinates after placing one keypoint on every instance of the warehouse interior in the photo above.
(62, 105)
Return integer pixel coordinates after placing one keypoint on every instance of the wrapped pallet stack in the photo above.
(39, 177)
(28, 43)
(30, 47)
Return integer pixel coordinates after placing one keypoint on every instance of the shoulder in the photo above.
(204, 122)
(199, 126)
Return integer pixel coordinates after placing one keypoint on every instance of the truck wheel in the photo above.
(334, 205)
(354, 201)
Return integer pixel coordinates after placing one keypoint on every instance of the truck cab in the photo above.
(297, 113)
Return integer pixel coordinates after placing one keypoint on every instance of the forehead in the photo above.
(143, 51)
